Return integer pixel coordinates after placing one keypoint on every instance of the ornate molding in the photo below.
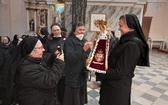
(61, 1)
(35, 4)
(51, 1)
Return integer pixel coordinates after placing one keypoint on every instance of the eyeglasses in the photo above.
(40, 48)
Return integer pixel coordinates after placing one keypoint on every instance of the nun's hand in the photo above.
(57, 53)
(60, 57)
(87, 45)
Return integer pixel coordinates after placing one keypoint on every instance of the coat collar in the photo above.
(2, 45)
(128, 36)
(36, 60)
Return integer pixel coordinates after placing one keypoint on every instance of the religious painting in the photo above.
(58, 14)
(94, 19)
(42, 17)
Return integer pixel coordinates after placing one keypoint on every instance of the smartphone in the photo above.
(59, 49)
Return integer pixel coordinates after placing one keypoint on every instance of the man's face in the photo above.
(80, 30)
(37, 52)
(56, 30)
(5, 40)
(123, 27)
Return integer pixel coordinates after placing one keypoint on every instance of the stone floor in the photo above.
(150, 84)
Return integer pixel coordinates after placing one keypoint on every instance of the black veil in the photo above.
(133, 23)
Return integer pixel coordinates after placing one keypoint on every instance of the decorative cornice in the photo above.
(51, 1)
(129, 4)
(108, 1)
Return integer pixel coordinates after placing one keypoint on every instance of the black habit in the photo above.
(131, 50)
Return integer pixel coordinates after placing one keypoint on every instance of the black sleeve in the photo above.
(37, 78)
(46, 46)
(2, 59)
(73, 52)
(126, 63)
(49, 58)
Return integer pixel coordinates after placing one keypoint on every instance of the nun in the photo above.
(131, 50)
(35, 75)
(76, 50)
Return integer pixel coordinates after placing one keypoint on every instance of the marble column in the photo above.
(112, 11)
(35, 20)
(49, 17)
(27, 21)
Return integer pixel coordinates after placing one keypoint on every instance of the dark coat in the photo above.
(53, 42)
(4, 59)
(116, 84)
(51, 46)
(75, 59)
(36, 81)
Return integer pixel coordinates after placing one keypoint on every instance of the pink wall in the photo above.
(18, 17)
(158, 9)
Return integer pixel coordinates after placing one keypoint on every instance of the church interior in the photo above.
(150, 84)
(17, 15)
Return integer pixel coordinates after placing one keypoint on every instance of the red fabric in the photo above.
(99, 59)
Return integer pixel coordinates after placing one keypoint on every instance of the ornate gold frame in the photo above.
(61, 8)
(93, 18)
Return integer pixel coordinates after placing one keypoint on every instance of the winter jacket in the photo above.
(4, 59)
(36, 80)
(75, 59)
